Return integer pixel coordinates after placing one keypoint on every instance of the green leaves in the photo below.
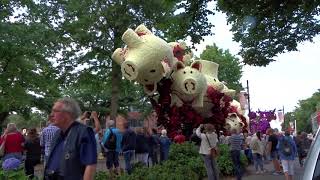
(268, 28)
(230, 69)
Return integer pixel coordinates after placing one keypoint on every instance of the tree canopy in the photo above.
(268, 28)
(304, 110)
(230, 69)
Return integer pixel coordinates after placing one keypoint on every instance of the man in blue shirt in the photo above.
(46, 138)
(73, 154)
(112, 155)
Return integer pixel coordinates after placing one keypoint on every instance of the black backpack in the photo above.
(111, 142)
(286, 147)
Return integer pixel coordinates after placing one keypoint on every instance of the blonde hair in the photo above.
(11, 127)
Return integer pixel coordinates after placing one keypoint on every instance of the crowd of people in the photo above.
(280, 148)
(70, 148)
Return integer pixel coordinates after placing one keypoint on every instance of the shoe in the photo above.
(276, 174)
(263, 171)
(257, 172)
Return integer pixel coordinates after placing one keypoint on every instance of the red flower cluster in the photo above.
(185, 118)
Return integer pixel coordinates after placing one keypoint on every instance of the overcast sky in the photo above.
(294, 76)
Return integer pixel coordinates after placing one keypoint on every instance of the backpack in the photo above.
(111, 142)
(286, 147)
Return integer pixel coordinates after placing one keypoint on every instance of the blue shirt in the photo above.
(118, 135)
(293, 145)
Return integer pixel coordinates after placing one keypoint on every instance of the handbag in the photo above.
(214, 152)
(2, 147)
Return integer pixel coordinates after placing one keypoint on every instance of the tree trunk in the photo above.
(3, 116)
(116, 78)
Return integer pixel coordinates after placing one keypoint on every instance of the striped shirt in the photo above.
(46, 138)
(235, 141)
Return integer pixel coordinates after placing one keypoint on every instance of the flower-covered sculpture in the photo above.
(260, 120)
(183, 96)
(146, 59)
(234, 122)
(189, 85)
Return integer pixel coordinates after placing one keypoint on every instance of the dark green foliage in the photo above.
(225, 163)
(230, 69)
(184, 163)
(268, 28)
(302, 113)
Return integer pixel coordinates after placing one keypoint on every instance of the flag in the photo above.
(243, 100)
(280, 115)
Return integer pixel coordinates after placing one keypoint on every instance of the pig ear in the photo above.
(179, 65)
(197, 65)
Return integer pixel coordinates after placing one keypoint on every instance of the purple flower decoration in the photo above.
(11, 164)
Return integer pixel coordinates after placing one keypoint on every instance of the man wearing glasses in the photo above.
(73, 153)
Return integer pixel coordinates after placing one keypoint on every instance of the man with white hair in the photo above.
(112, 143)
(73, 152)
(164, 145)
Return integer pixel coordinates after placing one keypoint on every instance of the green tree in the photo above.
(27, 77)
(89, 32)
(230, 69)
(304, 110)
(268, 28)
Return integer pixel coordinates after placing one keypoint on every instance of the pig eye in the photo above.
(191, 72)
(146, 80)
(215, 80)
(153, 70)
(184, 72)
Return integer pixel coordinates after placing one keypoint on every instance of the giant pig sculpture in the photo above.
(146, 58)
(233, 122)
(189, 85)
(210, 71)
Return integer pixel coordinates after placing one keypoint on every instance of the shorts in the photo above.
(274, 155)
(288, 166)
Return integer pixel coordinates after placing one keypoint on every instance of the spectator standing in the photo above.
(154, 147)
(33, 152)
(46, 138)
(209, 140)
(128, 145)
(235, 142)
(272, 149)
(257, 151)
(246, 146)
(73, 154)
(14, 142)
(142, 149)
(303, 145)
(165, 143)
(194, 138)
(287, 153)
(112, 152)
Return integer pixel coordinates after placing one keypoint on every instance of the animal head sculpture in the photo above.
(146, 58)
(189, 84)
(233, 122)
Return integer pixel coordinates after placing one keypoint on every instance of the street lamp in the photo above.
(247, 95)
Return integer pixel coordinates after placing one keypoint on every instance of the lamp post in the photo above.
(247, 95)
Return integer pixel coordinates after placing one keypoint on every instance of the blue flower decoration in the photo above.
(11, 164)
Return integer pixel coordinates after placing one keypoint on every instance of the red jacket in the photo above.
(14, 142)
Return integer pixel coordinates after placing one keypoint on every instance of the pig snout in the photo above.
(129, 70)
(190, 86)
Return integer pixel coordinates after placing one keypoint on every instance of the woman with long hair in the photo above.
(257, 151)
(33, 149)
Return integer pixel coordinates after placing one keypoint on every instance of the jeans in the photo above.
(235, 156)
(164, 155)
(211, 167)
(248, 154)
(258, 161)
(128, 155)
(142, 157)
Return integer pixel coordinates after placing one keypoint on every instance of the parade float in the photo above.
(184, 92)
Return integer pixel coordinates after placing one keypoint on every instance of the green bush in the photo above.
(18, 174)
(184, 163)
(225, 163)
